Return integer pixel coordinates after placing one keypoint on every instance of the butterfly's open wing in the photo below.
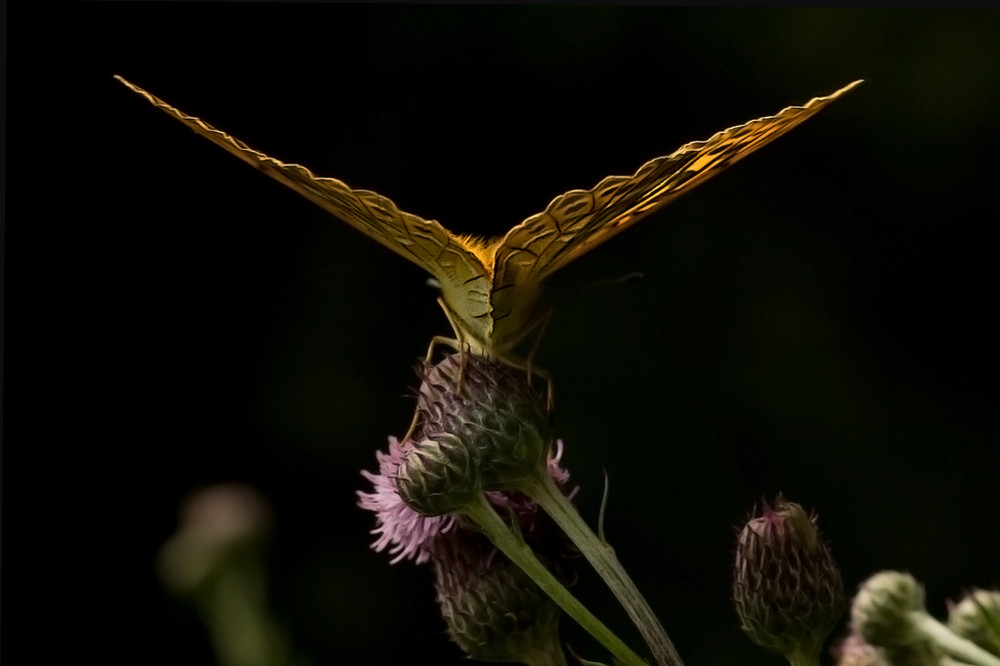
(464, 280)
(580, 220)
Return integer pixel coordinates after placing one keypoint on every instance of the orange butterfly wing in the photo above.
(451, 260)
(580, 220)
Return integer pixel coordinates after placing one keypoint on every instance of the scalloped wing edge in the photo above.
(692, 146)
(376, 205)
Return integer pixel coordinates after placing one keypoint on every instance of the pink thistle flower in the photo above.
(406, 534)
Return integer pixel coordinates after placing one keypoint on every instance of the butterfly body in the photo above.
(490, 289)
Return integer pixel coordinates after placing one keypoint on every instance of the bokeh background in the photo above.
(819, 320)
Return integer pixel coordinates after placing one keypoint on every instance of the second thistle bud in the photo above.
(439, 476)
(492, 609)
(491, 408)
(787, 588)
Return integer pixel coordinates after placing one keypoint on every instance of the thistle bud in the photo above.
(492, 610)
(439, 476)
(787, 588)
(491, 409)
(977, 618)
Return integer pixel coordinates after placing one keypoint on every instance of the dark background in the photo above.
(819, 320)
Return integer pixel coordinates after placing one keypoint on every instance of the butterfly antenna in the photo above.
(542, 325)
(628, 278)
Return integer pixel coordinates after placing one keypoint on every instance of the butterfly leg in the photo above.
(413, 426)
(550, 396)
(541, 324)
(436, 341)
(461, 344)
(441, 340)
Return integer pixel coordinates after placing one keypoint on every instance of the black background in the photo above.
(819, 320)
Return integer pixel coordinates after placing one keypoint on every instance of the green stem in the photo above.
(234, 609)
(521, 554)
(543, 490)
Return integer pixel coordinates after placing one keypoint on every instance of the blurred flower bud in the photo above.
(492, 610)
(889, 613)
(439, 476)
(491, 408)
(882, 609)
(787, 588)
(919, 653)
(977, 618)
(217, 523)
(216, 561)
(854, 651)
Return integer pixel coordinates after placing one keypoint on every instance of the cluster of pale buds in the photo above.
(890, 626)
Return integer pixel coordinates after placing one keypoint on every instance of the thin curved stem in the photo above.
(543, 490)
(514, 547)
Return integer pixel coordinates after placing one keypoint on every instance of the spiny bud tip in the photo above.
(787, 588)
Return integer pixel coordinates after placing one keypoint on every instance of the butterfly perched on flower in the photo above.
(489, 287)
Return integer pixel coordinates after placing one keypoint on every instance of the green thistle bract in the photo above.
(787, 588)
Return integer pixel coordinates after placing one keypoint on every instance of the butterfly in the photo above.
(489, 288)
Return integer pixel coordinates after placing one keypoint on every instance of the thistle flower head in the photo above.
(787, 588)
(402, 531)
(406, 534)
(977, 618)
(491, 408)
